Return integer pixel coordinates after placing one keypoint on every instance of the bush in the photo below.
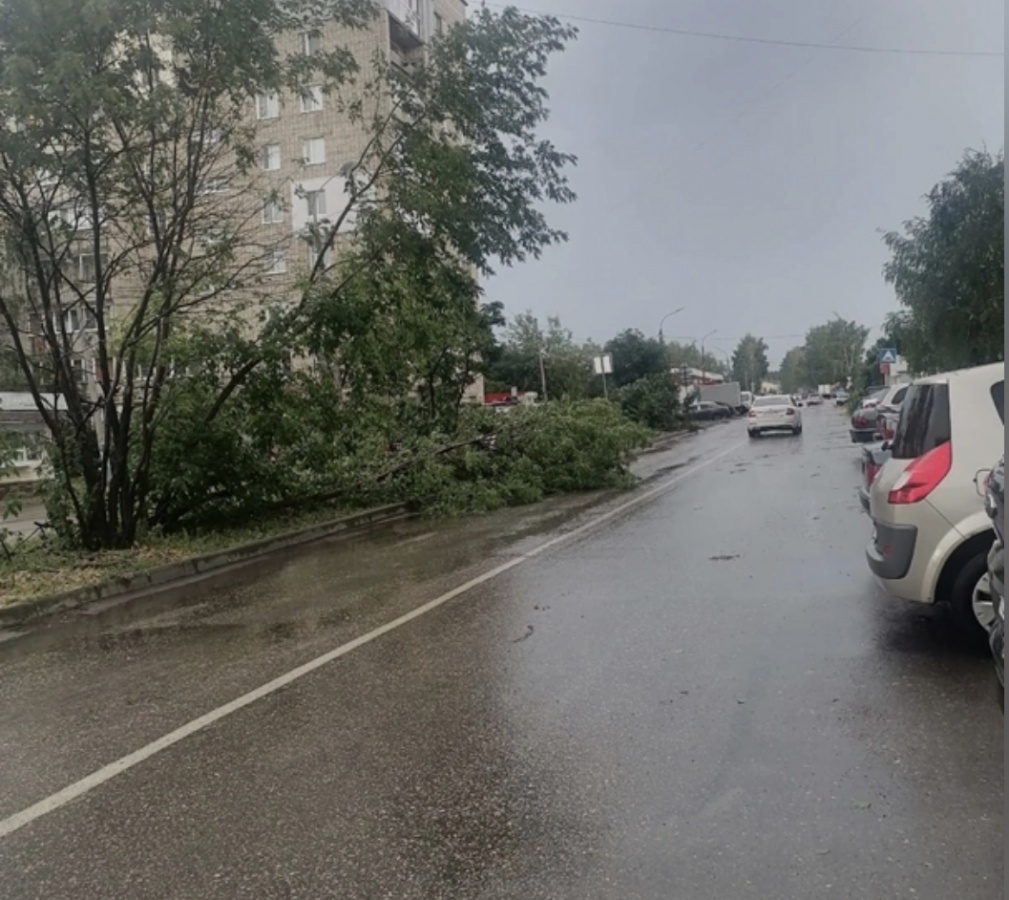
(522, 457)
(652, 401)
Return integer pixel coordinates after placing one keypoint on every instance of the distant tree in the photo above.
(635, 356)
(834, 351)
(948, 271)
(565, 364)
(794, 374)
(679, 354)
(749, 362)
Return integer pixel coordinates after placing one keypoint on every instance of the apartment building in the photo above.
(307, 142)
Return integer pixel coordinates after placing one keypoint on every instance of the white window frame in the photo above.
(276, 262)
(269, 157)
(77, 320)
(311, 43)
(311, 98)
(216, 184)
(312, 198)
(268, 105)
(313, 151)
(273, 211)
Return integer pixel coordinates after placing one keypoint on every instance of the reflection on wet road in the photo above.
(705, 696)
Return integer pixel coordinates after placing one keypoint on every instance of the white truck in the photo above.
(727, 394)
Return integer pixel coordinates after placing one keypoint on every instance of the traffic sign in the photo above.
(888, 356)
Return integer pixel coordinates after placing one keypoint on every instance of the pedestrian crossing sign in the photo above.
(887, 356)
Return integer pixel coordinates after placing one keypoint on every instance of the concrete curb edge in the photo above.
(163, 576)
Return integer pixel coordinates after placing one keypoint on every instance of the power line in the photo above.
(773, 42)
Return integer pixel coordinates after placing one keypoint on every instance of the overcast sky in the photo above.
(747, 182)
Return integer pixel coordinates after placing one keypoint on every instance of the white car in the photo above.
(774, 412)
(931, 535)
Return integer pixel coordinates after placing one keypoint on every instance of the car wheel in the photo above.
(971, 600)
(797, 431)
(754, 434)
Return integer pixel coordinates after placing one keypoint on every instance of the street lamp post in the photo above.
(662, 322)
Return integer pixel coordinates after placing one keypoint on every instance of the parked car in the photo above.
(773, 413)
(865, 423)
(840, 398)
(707, 411)
(888, 411)
(931, 535)
(995, 507)
(814, 400)
(870, 399)
(873, 458)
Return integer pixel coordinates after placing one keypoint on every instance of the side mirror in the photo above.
(886, 447)
(981, 478)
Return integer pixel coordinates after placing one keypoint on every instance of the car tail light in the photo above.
(790, 411)
(923, 476)
(871, 471)
(752, 414)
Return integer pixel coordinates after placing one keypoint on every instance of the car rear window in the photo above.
(772, 401)
(924, 421)
(998, 398)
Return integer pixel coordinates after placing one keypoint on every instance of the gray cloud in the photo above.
(749, 182)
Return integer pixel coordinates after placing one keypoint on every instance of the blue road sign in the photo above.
(887, 356)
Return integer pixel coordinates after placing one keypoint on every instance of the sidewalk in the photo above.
(24, 522)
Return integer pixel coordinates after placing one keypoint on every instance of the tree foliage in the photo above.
(635, 357)
(131, 260)
(653, 401)
(749, 362)
(566, 366)
(794, 373)
(833, 351)
(947, 269)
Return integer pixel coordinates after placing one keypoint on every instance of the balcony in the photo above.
(406, 24)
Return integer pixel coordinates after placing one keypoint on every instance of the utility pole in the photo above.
(703, 339)
(543, 373)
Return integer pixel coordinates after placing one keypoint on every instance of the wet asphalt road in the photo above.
(705, 696)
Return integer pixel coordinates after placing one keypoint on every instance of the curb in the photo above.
(194, 567)
(665, 441)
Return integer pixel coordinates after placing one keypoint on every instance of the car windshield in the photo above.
(772, 401)
(924, 421)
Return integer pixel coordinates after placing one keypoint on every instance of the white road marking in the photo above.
(97, 778)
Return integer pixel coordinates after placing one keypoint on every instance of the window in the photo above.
(313, 151)
(215, 184)
(313, 251)
(86, 268)
(273, 211)
(316, 203)
(268, 105)
(311, 43)
(311, 98)
(270, 157)
(924, 421)
(276, 262)
(75, 321)
(439, 24)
